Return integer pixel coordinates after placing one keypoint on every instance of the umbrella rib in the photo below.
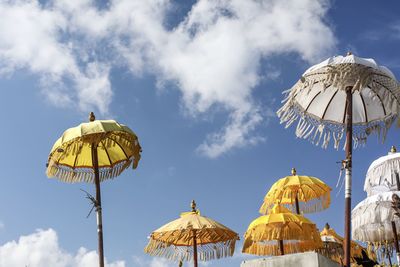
(327, 106)
(76, 157)
(105, 149)
(380, 99)
(365, 108)
(119, 146)
(67, 146)
(312, 100)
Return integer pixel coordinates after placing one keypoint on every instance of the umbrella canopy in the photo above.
(371, 220)
(71, 160)
(313, 194)
(333, 245)
(383, 174)
(265, 233)
(180, 239)
(318, 100)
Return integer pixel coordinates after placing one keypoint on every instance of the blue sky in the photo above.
(199, 82)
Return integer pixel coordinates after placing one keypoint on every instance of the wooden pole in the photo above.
(281, 249)
(194, 248)
(297, 204)
(347, 165)
(296, 199)
(98, 205)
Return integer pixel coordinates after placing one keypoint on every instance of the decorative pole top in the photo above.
(193, 205)
(393, 150)
(91, 116)
(294, 172)
(327, 226)
(349, 53)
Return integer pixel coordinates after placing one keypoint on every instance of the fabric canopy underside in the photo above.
(318, 99)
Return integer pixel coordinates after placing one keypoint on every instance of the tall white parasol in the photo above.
(341, 96)
(372, 221)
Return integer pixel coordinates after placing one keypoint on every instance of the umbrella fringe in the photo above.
(272, 248)
(74, 175)
(315, 205)
(380, 249)
(290, 231)
(319, 132)
(205, 252)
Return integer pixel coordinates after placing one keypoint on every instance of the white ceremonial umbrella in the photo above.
(349, 96)
(383, 174)
(372, 220)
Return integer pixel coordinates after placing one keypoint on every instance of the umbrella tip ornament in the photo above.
(327, 226)
(193, 205)
(393, 150)
(294, 172)
(349, 53)
(92, 117)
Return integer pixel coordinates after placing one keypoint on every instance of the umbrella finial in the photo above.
(193, 206)
(91, 116)
(393, 150)
(349, 53)
(294, 172)
(327, 226)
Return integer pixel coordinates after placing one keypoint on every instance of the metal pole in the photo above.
(194, 248)
(347, 165)
(396, 241)
(390, 260)
(280, 244)
(98, 204)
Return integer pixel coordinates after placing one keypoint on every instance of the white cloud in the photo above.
(42, 249)
(213, 55)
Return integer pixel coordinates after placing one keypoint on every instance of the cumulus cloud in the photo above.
(42, 249)
(213, 55)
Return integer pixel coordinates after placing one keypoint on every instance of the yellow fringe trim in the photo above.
(184, 253)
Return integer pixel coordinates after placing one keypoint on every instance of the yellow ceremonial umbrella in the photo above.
(192, 234)
(293, 189)
(281, 232)
(93, 152)
(333, 245)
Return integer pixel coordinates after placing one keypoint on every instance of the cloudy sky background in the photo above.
(198, 81)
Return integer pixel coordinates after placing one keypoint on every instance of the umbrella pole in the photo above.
(98, 205)
(396, 241)
(194, 248)
(347, 165)
(390, 260)
(297, 204)
(280, 245)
